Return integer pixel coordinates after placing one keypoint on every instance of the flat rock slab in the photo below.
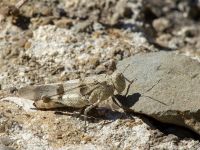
(167, 87)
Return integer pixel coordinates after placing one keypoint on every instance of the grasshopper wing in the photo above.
(36, 92)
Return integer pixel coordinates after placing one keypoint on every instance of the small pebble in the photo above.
(161, 24)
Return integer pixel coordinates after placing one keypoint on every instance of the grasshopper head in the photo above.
(118, 81)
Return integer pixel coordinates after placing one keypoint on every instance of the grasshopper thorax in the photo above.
(118, 80)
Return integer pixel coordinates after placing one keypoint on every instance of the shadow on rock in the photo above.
(128, 101)
(94, 115)
(165, 128)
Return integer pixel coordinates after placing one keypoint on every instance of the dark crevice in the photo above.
(22, 22)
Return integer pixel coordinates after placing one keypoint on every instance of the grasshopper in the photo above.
(77, 94)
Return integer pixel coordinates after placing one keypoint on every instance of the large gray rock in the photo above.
(167, 88)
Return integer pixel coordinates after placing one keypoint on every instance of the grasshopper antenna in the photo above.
(154, 99)
(153, 86)
(125, 68)
(143, 94)
(130, 81)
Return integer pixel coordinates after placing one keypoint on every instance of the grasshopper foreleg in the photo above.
(129, 85)
(115, 99)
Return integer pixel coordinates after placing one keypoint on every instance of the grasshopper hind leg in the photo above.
(86, 112)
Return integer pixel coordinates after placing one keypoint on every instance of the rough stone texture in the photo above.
(169, 85)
